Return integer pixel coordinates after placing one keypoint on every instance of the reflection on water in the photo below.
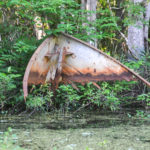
(86, 131)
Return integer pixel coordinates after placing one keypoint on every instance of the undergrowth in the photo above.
(18, 42)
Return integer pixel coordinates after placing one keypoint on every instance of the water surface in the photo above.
(84, 131)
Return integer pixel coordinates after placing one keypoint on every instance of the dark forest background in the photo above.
(115, 27)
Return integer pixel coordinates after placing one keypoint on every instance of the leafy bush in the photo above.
(108, 96)
(41, 98)
(7, 88)
(12, 65)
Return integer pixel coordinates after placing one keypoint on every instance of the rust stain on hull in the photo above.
(67, 59)
(101, 77)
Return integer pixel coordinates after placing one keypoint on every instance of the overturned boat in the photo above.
(67, 59)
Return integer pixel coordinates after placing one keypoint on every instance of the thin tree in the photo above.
(90, 5)
(138, 31)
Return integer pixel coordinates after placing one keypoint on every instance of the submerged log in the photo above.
(67, 59)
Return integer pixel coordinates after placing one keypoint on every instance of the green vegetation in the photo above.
(8, 141)
(18, 42)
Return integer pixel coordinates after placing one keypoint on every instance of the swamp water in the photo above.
(87, 131)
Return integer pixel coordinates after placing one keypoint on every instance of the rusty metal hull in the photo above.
(67, 59)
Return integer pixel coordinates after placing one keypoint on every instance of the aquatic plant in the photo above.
(8, 141)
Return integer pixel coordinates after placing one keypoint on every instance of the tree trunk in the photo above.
(147, 17)
(138, 32)
(90, 5)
